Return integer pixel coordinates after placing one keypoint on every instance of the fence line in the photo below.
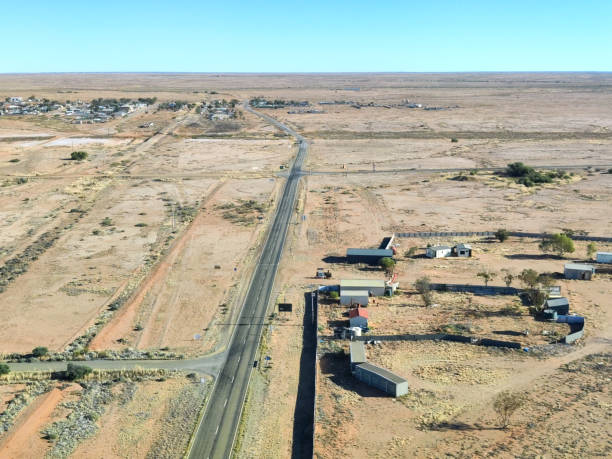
(442, 337)
(428, 234)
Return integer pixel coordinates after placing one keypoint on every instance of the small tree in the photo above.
(423, 286)
(334, 295)
(74, 371)
(78, 155)
(508, 277)
(591, 249)
(106, 221)
(486, 276)
(506, 403)
(40, 351)
(387, 264)
(559, 243)
(410, 252)
(502, 234)
(4, 369)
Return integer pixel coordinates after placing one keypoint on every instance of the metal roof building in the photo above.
(375, 287)
(559, 305)
(578, 271)
(381, 379)
(369, 256)
(359, 297)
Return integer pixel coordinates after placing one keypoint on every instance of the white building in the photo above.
(438, 251)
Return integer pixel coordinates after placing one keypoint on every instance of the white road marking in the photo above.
(239, 357)
(225, 402)
(232, 379)
(216, 431)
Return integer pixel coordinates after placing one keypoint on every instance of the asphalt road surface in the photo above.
(217, 430)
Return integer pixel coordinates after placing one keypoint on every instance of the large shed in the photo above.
(579, 271)
(357, 297)
(381, 379)
(369, 256)
(376, 287)
(358, 317)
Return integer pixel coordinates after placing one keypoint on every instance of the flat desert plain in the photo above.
(146, 248)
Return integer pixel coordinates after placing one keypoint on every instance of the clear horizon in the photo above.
(341, 37)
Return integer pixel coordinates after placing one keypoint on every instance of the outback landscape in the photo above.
(135, 210)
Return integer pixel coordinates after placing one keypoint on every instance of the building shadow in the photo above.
(303, 419)
(336, 367)
(334, 259)
(534, 256)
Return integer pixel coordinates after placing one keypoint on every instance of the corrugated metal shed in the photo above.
(578, 271)
(369, 252)
(361, 297)
(381, 379)
(560, 305)
(365, 283)
(375, 287)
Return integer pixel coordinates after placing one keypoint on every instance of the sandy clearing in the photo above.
(72, 141)
(122, 323)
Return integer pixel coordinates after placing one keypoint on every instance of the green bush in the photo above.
(40, 351)
(106, 222)
(75, 371)
(334, 295)
(78, 155)
(4, 369)
(502, 234)
(14, 160)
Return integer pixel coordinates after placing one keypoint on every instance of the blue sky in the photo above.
(305, 36)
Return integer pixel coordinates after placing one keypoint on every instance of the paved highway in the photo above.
(217, 430)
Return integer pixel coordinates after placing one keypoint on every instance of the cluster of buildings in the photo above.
(219, 110)
(77, 112)
(260, 102)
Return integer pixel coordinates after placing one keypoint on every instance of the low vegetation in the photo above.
(559, 243)
(245, 212)
(528, 176)
(506, 404)
(78, 155)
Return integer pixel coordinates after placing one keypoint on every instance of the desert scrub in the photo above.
(20, 401)
(179, 421)
(245, 212)
(81, 422)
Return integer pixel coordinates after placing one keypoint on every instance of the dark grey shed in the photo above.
(381, 379)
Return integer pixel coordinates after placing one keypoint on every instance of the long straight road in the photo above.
(217, 430)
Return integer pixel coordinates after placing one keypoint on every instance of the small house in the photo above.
(604, 257)
(354, 297)
(559, 305)
(438, 251)
(578, 271)
(462, 250)
(358, 317)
